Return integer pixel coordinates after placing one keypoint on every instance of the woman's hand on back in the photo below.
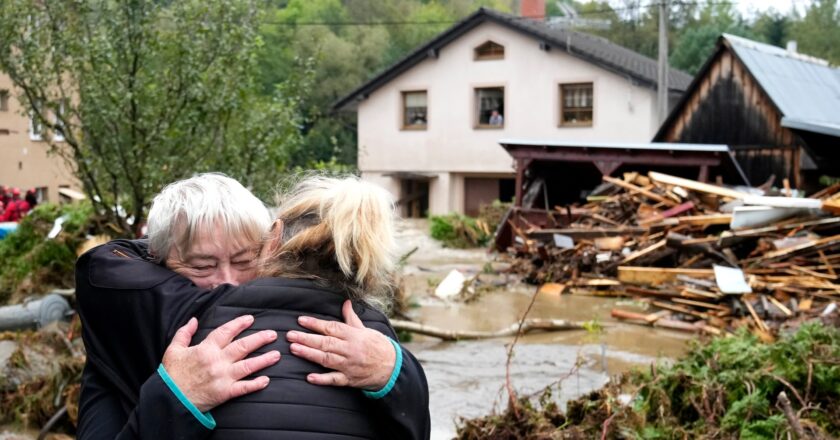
(361, 357)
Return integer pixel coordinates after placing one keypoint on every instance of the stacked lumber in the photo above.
(705, 258)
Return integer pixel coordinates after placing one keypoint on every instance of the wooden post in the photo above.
(704, 174)
(520, 178)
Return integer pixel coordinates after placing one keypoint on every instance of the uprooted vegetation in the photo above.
(32, 263)
(42, 375)
(731, 387)
(461, 231)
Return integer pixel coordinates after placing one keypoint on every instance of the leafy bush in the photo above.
(460, 231)
(33, 263)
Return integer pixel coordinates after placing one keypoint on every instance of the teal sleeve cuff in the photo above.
(394, 375)
(204, 418)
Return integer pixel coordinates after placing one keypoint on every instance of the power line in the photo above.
(449, 22)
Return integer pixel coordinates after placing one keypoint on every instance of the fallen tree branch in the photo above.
(795, 425)
(528, 326)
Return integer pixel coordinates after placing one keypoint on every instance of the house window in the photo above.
(490, 107)
(61, 113)
(414, 110)
(576, 104)
(489, 51)
(4, 100)
(36, 128)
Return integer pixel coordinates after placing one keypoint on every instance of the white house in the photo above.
(428, 126)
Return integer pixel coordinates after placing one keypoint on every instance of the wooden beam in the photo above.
(658, 275)
(633, 188)
(696, 186)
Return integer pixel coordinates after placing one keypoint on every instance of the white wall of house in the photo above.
(25, 160)
(452, 148)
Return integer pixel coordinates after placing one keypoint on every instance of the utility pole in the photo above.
(662, 77)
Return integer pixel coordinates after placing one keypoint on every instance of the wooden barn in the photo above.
(777, 110)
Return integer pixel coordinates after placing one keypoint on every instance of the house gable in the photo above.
(595, 50)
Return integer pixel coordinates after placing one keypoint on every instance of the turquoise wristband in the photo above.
(205, 418)
(394, 375)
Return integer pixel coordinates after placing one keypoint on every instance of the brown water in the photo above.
(466, 379)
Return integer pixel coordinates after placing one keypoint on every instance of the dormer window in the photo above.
(489, 51)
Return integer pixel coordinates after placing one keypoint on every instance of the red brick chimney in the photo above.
(533, 9)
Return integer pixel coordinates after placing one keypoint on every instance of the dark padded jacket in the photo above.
(131, 308)
(290, 407)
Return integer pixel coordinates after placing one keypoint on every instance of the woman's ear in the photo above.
(274, 241)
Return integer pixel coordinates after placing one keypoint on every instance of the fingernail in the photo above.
(249, 318)
(264, 381)
(303, 320)
(292, 336)
(271, 334)
(275, 355)
(294, 348)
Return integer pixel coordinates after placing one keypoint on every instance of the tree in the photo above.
(818, 32)
(145, 92)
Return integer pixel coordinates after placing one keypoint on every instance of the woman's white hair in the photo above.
(339, 230)
(210, 200)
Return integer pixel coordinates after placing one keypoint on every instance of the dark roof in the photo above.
(596, 50)
(805, 90)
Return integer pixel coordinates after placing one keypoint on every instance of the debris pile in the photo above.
(706, 257)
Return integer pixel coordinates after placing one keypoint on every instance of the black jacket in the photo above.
(131, 308)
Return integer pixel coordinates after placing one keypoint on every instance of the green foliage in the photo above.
(459, 231)
(33, 263)
(724, 388)
(147, 92)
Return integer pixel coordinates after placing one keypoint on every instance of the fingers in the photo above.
(247, 367)
(224, 334)
(350, 316)
(333, 378)
(240, 348)
(244, 387)
(332, 361)
(329, 328)
(184, 334)
(318, 342)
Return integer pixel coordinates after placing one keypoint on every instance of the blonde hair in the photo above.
(185, 208)
(339, 231)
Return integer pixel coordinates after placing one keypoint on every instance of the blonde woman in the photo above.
(333, 241)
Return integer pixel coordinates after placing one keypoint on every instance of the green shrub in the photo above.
(34, 264)
(460, 231)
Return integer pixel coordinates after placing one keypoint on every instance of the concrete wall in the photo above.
(450, 145)
(25, 163)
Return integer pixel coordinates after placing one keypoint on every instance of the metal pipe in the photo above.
(35, 313)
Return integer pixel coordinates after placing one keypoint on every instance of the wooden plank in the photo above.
(695, 185)
(547, 234)
(658, 275)
(703, 220)
(633, 188)
(780, 306)
(646, 251)
(668, 213)
(701, 304)
(758, 321)
(828, 265)
(812, 273)
(680, 309)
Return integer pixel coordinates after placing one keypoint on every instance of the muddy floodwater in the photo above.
(467, 378)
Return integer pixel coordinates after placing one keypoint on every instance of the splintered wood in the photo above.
(657, 238)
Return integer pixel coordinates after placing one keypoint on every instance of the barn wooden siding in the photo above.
(729, 107)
